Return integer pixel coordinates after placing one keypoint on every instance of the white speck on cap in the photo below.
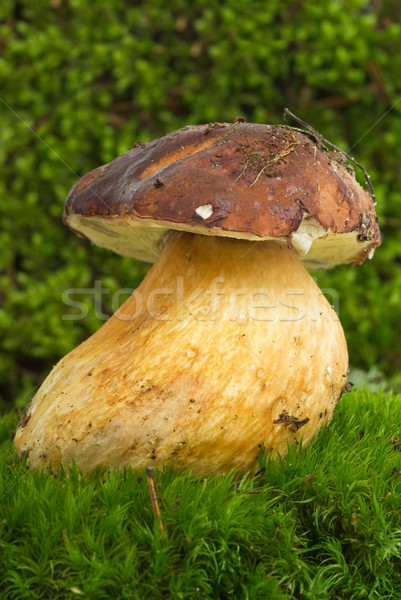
(204, 211)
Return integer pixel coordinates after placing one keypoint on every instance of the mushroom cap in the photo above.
(241, 180)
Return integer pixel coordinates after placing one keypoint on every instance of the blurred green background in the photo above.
(82, 81)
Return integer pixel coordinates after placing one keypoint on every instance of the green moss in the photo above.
(324, 523)
(82, 81)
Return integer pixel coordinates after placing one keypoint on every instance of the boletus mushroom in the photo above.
(227, 344)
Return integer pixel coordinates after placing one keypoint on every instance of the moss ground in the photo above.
(83, 81)
(324, 522)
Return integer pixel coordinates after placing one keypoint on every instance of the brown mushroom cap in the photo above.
(242, 180)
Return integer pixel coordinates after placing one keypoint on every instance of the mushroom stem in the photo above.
(226, 345)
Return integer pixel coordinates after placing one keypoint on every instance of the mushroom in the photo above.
(227, 345)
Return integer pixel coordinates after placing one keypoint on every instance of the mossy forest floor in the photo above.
(324, 522)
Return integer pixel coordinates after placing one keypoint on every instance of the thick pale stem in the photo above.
(225, 345)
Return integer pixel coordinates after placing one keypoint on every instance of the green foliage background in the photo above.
(81, 81)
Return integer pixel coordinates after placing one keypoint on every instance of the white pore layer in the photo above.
(144, 239)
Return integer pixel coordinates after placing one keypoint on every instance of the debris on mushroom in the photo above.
(205, 211)
(227, 343)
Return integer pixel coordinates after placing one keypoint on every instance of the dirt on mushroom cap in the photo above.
(261, 181)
